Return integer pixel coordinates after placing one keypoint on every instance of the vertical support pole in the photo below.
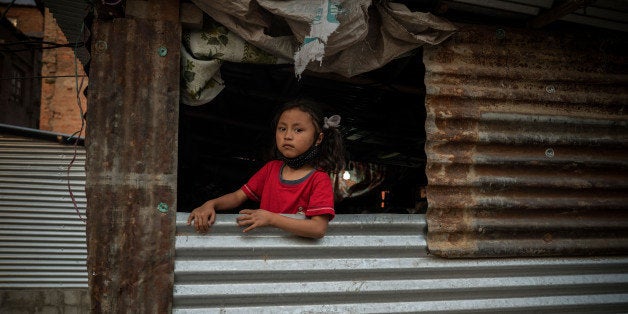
(132, 161)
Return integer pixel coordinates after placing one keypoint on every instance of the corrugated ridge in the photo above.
(527, 144)
(374, 264)
(69, 16)
(398, 236)
(42, 238)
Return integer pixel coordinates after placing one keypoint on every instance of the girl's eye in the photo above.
(281, 129)
(298, 130)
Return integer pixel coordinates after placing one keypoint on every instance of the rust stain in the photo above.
(131, 243)
(526, 144)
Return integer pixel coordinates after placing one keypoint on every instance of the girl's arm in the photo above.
(314, 227)
(205, 215)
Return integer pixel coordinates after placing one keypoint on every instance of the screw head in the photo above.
(550, 89)
(500, 33)
(162, 207)
(162, 51)
(100, 46)
(549, 153)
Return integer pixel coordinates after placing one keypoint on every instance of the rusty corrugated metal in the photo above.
(132, 164)
(527, 143)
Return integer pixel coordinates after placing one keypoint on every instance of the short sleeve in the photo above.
(321, 197)
(255, 186)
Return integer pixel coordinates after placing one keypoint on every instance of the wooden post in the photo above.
(132, 160)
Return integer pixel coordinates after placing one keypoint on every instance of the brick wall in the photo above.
(29, 20)
(59, 107)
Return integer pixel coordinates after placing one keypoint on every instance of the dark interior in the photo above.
(222, 143)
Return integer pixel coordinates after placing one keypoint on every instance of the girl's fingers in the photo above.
(200, 224)
(251, 227)
(245, 215)
(244, 222)
(190, 218)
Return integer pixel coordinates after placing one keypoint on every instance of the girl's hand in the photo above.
(203, 217)
(254, 218)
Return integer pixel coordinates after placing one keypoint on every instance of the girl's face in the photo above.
(296, 133)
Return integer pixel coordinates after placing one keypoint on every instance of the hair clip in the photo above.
(331, 122)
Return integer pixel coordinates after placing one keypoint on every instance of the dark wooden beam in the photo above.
(131, 142)
(557, 12)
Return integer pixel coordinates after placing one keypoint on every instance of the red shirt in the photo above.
(312, 195)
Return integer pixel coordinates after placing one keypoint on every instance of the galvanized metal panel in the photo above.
(376, 264)
(527, 139)
(42, 237)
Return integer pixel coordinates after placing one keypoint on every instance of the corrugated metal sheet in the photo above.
(70, 16)
(527, 143)
(608, 14)
(131, 143)
(42, 238)
(376, 264)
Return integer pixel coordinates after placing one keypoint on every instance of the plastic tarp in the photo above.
(347, 37)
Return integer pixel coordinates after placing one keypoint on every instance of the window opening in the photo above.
(222, 143)
(17, 88)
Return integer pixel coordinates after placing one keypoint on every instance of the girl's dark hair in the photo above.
(332, 153)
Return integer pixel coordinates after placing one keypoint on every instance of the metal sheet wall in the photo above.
(42, 238)
(377, 264)
(131, 167)
(610, 14)
(527, 143)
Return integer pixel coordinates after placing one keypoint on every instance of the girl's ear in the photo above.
(319, 139)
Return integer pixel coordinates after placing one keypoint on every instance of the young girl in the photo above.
(306, 149)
